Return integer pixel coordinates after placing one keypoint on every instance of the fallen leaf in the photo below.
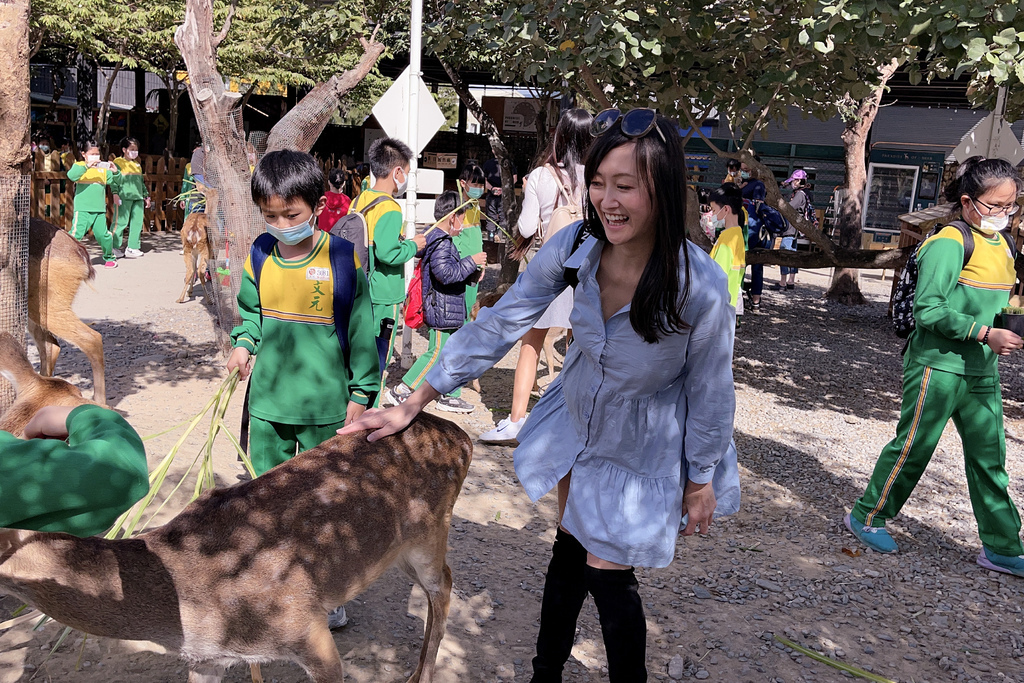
(851, 553)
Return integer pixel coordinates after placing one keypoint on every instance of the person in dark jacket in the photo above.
(445, 278)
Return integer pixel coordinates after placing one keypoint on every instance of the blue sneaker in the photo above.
(1006, 564)
(874, 537)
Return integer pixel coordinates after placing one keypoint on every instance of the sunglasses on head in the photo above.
(635, 123)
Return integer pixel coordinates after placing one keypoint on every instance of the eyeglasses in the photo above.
(1008, 210)
(635, 123)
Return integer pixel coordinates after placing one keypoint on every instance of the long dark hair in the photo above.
(978, 175)
(660, 297)
(569, 145)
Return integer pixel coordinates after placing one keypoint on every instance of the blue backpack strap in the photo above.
(260, 251)
(343, 275)
(572, 275)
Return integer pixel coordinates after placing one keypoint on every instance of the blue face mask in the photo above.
(475, 192)
(745, 175)
(293, 235)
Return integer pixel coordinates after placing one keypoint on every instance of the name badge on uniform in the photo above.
(314, 273)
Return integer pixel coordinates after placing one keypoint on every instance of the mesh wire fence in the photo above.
(15, 192)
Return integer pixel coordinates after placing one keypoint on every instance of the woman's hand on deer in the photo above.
(50, 422)
(239, 358)
(387, 421)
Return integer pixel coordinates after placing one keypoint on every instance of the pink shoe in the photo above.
(110, 264)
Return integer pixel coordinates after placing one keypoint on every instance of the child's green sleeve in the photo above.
(80, 486)
(249, 334)
(364, 362)
(77, 170)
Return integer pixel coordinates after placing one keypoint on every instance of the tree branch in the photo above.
(862, 259)
(227, 25)
(705, 138)
(594, 87)
(760, 119)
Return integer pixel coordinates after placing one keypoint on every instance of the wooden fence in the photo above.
(53, 195)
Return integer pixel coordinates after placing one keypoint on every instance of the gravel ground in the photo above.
(817, 398)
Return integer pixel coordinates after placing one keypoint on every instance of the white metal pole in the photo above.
(415, 66)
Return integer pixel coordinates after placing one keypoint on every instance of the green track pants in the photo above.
(272, 443)
(930, 398)
(380, 312)
(418, 372)
(129, 216)
(85, 221)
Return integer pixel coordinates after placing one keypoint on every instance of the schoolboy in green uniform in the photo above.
(471, 240)
(77, 471)
(132, 198)
(303, 387)
(388, 250)
(91, 178)
(950, 370)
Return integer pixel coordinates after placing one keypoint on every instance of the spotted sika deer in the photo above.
(57, 267)
(248, 573)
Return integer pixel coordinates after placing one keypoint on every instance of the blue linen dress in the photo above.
(632, 421)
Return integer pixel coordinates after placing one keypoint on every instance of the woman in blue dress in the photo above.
(636, 431)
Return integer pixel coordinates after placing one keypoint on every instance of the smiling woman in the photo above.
(636, 431)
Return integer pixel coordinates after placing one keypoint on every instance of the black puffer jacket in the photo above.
(445, 277)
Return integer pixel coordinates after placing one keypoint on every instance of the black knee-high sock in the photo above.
(565, 590)
(622, 622)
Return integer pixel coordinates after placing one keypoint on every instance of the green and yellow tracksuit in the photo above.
(301, 383)
(132, 191)
(469, 242)
(91, 204)
(947, 374)
(79, 486)
(730, 253)
(388, 255)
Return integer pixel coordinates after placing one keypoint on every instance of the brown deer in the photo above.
(33, 391)
(57, 267)
(247, 573)
(196, 251)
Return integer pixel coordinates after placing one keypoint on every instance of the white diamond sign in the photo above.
(392, 112)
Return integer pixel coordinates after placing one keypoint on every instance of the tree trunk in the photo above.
(234, 220)
(845, 287)
(86, 98)
(104, 117)
(15, 169)
(301, 126)
(510, 207)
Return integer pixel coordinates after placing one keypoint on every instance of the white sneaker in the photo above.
(396, 396)
(337, 618)
(133, 253)
(506, 431)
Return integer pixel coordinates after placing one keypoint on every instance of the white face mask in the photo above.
(132, 154)
(293, 235)
(990, 225)
(400, 187)
(92, 158)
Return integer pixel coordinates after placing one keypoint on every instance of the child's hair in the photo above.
(728, 195)
(385, 154)
(472, 174)
(446, 203)
(336, 178)
(128, 142)
(978, 175)
(85, 145)
(288, 173)
(733, 165)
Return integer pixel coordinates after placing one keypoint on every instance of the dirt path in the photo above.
(817, 397)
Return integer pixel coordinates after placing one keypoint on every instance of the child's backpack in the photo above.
(768, 222)
(903, 321)
(413, 311)
(563, 214)
(352, 227)
(343, 279)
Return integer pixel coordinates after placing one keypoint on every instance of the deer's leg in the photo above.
(66, 325)
(48, 346)
(428, 568)
(190, 275)
(206, 673)
(318, 655)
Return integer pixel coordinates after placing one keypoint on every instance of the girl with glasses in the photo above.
(950, 370)
(636, 429)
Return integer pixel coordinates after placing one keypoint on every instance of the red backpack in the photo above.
(414, 299)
